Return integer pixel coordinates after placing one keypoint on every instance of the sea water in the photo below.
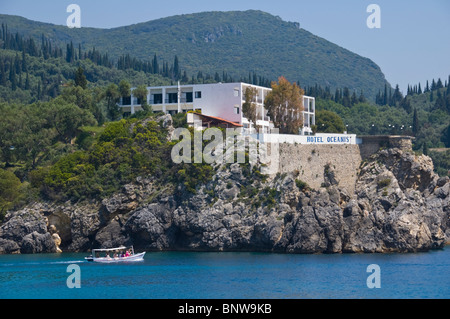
(188, 275)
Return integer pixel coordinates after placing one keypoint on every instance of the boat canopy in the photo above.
(111, 249)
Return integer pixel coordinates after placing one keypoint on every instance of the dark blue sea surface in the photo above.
(184, 275)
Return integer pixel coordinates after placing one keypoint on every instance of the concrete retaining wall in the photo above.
(314, 162)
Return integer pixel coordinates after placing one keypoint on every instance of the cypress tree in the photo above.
(155, 65)
(415, 125)
(12, 77)
(433, 85)
(27, 82)
(176, 68)
(80, 78)
(354, 99)
(336, 96)
(39, 93)
(17, 64)
(427, 88)
(2, 72)
(24, 61)
(362, 98)
(68, 57)
(346, 101)
(425, 149)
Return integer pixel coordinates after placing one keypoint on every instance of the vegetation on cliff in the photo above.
(63, 136)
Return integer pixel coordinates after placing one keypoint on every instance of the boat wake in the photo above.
(43, 263)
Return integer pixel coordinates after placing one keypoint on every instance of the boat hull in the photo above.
(133, 258)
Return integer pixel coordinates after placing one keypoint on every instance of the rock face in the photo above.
(26, 232)
(399, 205)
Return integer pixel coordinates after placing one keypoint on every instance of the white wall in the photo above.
(219, 100)
(318, 139)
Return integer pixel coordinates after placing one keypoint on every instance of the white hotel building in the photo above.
(219, 100)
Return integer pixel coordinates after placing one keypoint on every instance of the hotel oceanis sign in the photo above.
(318, 139)
(330, 139)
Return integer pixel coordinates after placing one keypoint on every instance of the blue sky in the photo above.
(412, 45)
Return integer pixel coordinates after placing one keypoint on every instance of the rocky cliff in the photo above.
(399, 205)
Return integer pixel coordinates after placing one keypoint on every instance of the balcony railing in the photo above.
(175, 101)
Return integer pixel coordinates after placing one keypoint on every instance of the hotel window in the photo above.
(157, 99)
(172, 98)
(236, 92)
(189, 98)
(126, 100)
(198, 94)
(236, 110)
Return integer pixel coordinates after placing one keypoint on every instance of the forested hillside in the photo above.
(421, 113)
(63, 137)
(233, 43)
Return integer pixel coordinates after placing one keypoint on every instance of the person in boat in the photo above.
(127, 254)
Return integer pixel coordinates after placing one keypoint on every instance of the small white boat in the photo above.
(114, 255)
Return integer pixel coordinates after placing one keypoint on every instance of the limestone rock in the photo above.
(398, 205)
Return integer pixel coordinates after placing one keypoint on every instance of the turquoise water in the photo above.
(180, 275)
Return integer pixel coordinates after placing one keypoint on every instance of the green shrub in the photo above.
(301, 185)
(9, 191)
(180, 120)
(384, 183)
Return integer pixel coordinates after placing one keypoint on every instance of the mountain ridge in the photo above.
(237, 42)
